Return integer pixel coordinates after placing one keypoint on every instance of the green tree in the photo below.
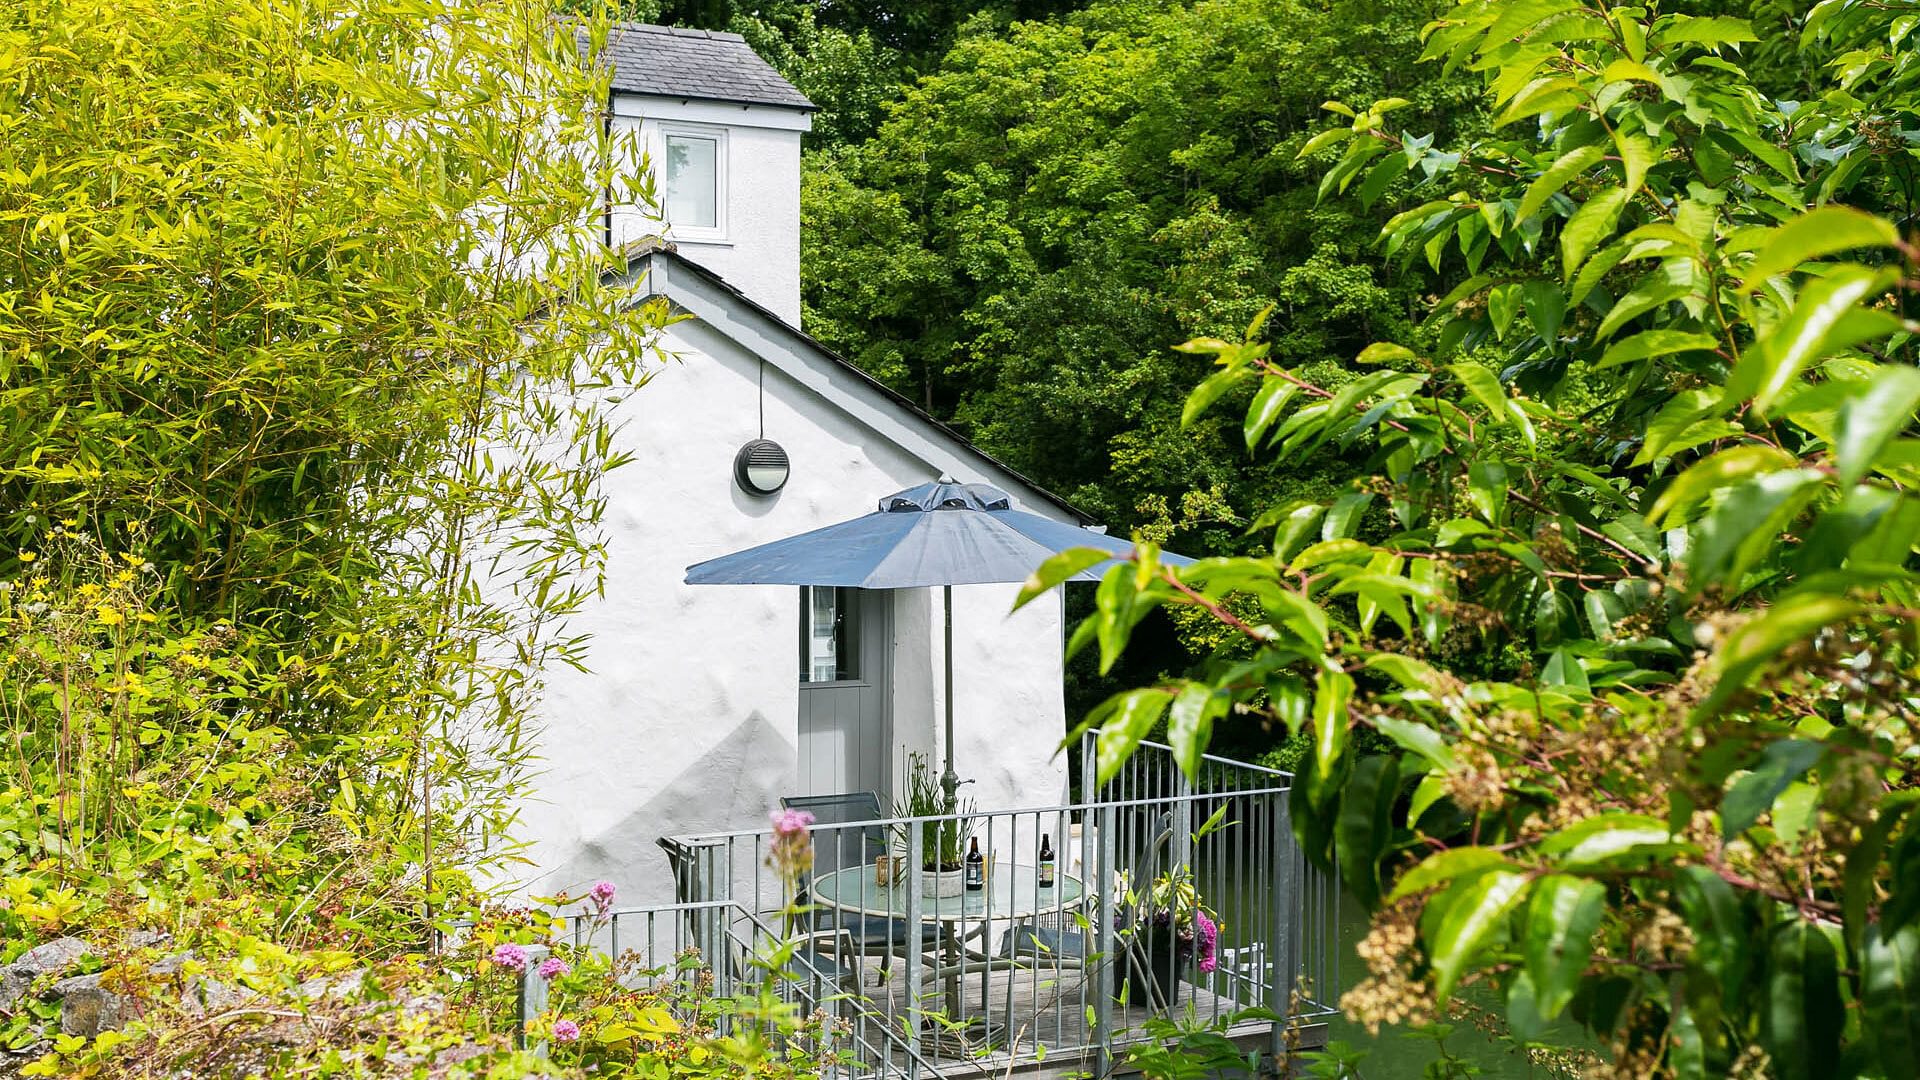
(1037, 218)
(1643, 626)
(302, 313)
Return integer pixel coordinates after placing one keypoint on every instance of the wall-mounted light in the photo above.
(760, 468)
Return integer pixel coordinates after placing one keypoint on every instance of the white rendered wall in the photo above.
(688, 720)
(759, 253)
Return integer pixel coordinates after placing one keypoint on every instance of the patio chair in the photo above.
(837, 849)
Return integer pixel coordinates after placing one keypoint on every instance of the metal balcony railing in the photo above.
(1021, 972)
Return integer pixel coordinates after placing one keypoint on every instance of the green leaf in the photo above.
(1323, 140)
(1863, 866)
(1710, 474)
(1561, 920)
(1767, 369)
(1565, 168)
(1563, 670)
(1296, 528)
(1327, 551)
(1523, 14)
(1485, 388)
(1648, 343)
(1445, 866)
(1669, 283)
(1473, 908)
(1818, 233)
(1208, 392)
(1384, 352)
(1723, 943)
(1130, 716)
(1365, 824)
(1190, 724)
(1743, 526)
(1057, 569)
(1331, 692)
(1605, 838)
(1679, 415)
(1636, 157)
(1708, 30)
(1417, 738)
(1781, 764)
(1803, 1014)
(1487, 487)
(1273, 395)
(1596, 220)
(1890, 995)
(1871, 420)
(1546, 306)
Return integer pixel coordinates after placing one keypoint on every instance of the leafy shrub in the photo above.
(1644, 630)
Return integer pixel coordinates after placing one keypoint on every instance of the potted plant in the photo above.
(943, 844)
(1163, 931)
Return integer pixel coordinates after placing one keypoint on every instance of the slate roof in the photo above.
(710, 65)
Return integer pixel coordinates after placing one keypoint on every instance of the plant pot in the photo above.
(1153, 967)
(941, 884)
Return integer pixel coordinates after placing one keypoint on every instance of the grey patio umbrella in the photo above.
(943, 533)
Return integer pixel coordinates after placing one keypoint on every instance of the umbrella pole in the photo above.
(949, 780)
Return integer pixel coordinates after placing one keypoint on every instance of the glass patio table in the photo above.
(1012, 894)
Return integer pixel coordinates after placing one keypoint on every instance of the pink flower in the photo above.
(1209, 934)
(602, 896)
(553, 967)
(791, 822)
(791, 851)
(565, 1031)
(510, 956)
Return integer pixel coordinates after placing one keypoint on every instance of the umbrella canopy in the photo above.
(935, 534)
(941, 533)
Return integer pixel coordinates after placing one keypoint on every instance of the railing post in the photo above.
(1182, 820)
(1101, 877)
(1283, 951)
(915, 854)
(533, 998)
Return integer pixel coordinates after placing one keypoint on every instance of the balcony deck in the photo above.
(1016, 978)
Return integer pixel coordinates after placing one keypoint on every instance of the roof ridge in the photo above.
(676, 31)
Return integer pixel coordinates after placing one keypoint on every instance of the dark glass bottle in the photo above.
(1046, 861)
(976, 866)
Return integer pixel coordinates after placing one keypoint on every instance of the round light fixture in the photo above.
(760, 468)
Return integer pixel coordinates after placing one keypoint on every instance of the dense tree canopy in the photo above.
(1039, 218)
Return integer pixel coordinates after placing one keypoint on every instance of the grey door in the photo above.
(846, 723)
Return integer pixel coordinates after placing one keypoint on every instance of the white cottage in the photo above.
(705, 705)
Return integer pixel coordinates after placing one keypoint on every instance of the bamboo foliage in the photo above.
(304, 307)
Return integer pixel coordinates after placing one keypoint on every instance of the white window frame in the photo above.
(717, 233)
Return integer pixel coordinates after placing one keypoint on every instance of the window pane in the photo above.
(693, 177)
(829, 635)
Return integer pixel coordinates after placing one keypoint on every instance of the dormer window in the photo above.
(696, 181)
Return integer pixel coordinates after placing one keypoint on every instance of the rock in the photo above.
(147, 939)
(13, 986)
(51, 958)
(204, 995)
(171, 965)
(87, 1008)
(343, 986)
